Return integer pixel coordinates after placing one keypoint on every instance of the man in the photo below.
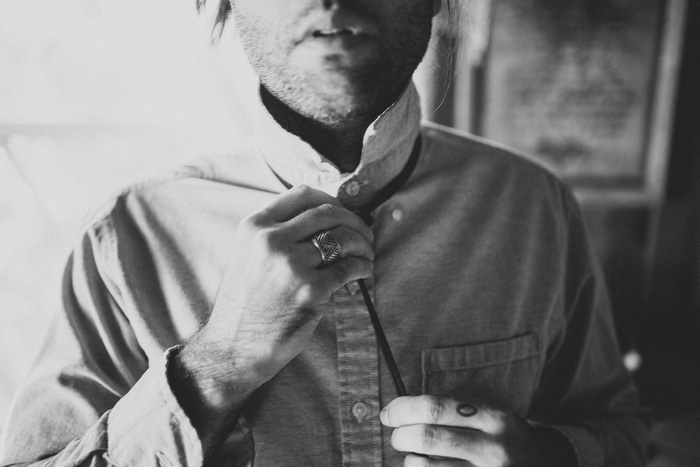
(213, 315)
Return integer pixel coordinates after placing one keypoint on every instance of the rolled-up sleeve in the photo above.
(146, 427)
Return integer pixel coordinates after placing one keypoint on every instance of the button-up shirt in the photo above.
(484, 283)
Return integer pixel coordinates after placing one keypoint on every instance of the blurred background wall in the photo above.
(94, 93)
(606, 94)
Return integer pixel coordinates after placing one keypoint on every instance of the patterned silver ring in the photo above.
(328, 246)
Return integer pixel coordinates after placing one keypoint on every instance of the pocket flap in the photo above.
(505, 372)
(480, 355)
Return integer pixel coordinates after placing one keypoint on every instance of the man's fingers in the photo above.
(450, 442)
(436, 410)
(290, 204)
(307, 211)
(326, 217)
(345, 270)
(351, 244)
(416, 460)
(445, 427)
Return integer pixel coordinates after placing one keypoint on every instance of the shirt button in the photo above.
(397, 214)
(360, 411)
(352, 188)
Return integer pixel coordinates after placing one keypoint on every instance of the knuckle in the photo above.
(303, 190)
(261, 236)
(294, 264)
(305, 294)
(428, 436)
(328, 210)
(252, 222)
(435, 408)
(272, 239)
(343, 236)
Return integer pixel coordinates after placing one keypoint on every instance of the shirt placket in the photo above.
(359, 380)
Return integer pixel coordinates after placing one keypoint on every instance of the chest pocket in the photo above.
(503, 372)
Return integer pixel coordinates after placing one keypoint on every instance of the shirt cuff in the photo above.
(148, 426)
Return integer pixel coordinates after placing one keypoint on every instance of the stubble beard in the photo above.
(332, 98)
(335, 93)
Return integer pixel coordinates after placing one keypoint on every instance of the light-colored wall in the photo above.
(92, 94)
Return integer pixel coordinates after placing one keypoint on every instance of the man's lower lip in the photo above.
(335, 32)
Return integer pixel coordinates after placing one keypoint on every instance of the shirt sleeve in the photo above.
(145, 427)
(586, 393)
(92, 397)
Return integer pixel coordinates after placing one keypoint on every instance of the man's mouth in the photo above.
(345, 32)
(340, 26)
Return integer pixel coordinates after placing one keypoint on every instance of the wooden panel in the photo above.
(587, 87)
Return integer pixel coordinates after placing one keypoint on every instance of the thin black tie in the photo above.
(365, 213)
(383, 342)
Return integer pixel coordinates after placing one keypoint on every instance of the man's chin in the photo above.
(347, 101)
(332, 112)
(346, 93)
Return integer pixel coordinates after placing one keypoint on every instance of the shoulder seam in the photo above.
(503, 148)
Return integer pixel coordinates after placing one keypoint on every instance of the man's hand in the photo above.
(272, 295)
(440, 431)
(270, 301)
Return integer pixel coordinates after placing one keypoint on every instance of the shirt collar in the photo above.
(387, 144)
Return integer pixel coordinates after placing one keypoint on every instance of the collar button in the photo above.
(352, 188)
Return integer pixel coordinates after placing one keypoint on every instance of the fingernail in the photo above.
(466, 410)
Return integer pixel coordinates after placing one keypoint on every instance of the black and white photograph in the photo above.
(349, 233)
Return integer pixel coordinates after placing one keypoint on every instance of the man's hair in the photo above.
(222, 14)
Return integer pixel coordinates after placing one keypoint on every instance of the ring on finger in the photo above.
(328, 246)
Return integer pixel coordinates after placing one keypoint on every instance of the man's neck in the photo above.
(341, 144)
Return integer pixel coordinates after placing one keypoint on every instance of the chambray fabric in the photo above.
(484, 282)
